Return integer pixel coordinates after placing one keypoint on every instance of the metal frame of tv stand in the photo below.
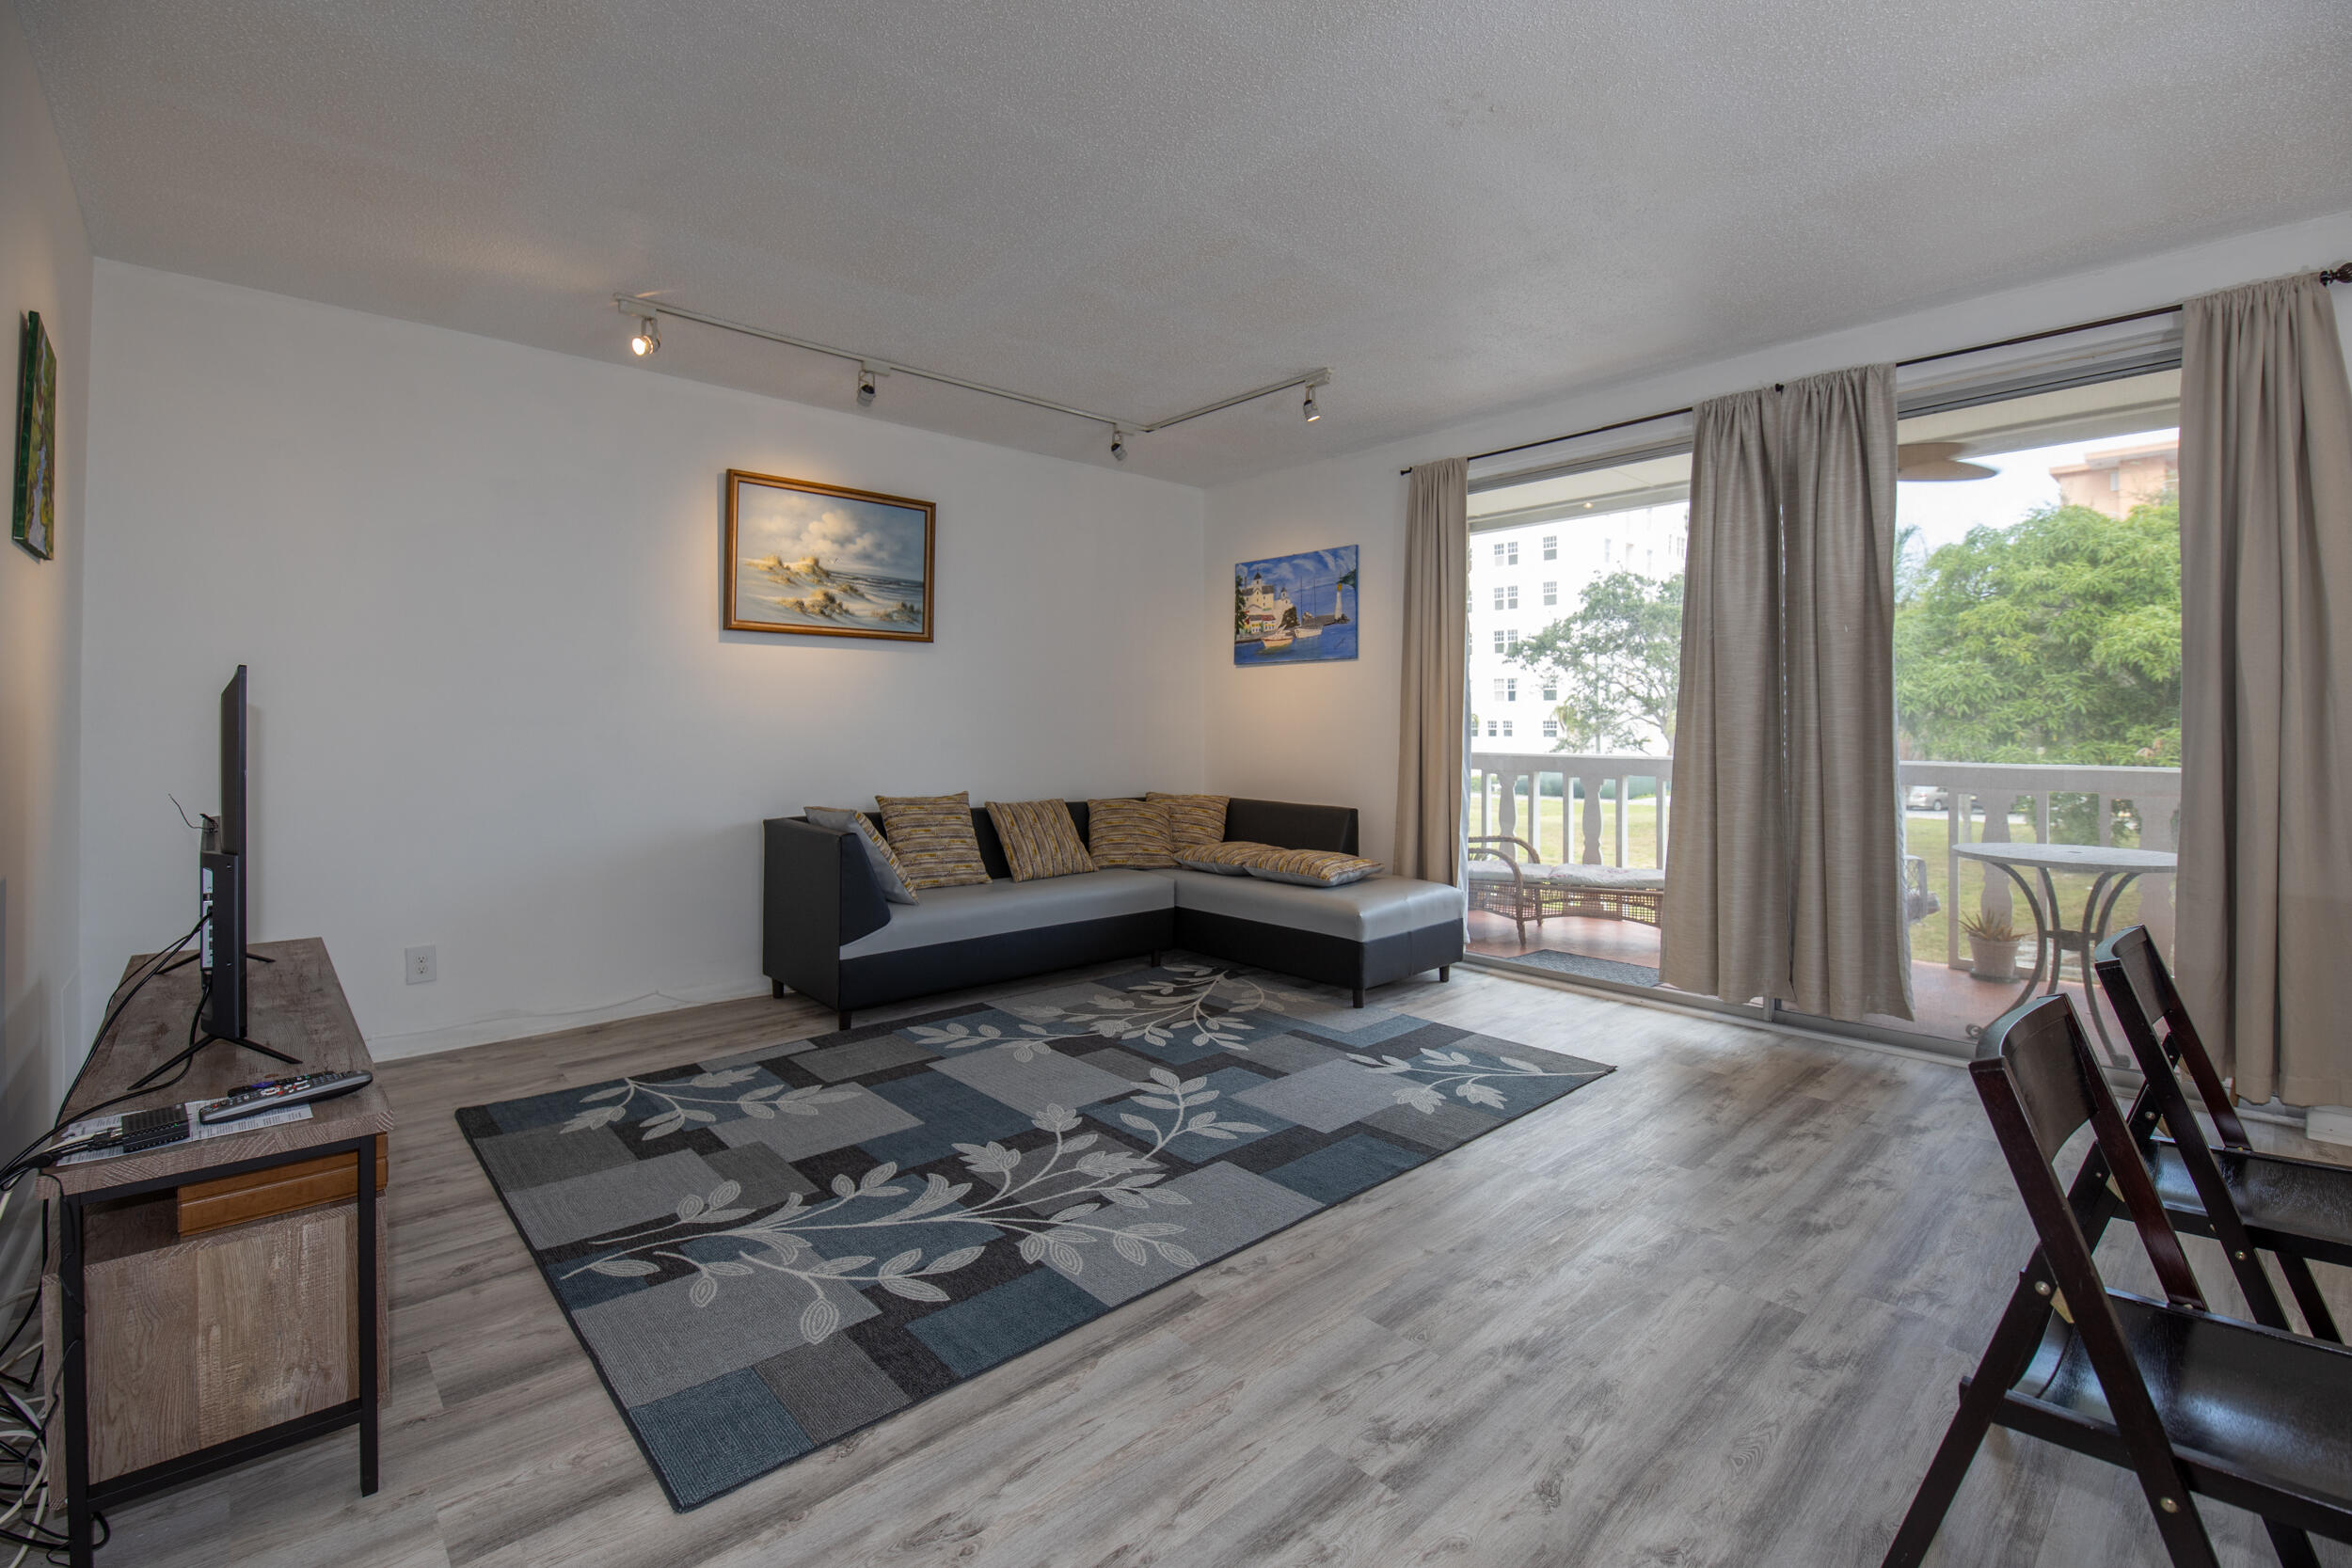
(82, 1494)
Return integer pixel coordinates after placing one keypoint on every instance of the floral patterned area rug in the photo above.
(764, 1253)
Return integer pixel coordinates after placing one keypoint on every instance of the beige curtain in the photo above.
(1785, 880)
(1431, 777)
(1725, 929)
(2264, 935)
(1849, 943)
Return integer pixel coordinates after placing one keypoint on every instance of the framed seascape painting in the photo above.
(818, 561)
(34, 522)
(1295, 608)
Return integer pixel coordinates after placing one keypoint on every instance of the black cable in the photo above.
(25, 1159)
(156, 967)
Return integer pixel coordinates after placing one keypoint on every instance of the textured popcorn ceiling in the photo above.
(1142, 207)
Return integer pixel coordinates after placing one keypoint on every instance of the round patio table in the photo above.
(2111, 871)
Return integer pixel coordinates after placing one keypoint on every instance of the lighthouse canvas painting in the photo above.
(818, 561)
(1295, 608)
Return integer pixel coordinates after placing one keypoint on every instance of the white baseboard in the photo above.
(514, 1026)
(2328, 1124)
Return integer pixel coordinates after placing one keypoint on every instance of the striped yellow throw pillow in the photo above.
(1312, 868)
(1226, 860)
(1194, 818)
(935, 838)
(1129, 832)
(1039, 839)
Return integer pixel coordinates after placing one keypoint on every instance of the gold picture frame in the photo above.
(810, 560)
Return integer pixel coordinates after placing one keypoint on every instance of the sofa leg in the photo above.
(1359, 997)
(845, 1017)
(775, 988)
(1445, 973)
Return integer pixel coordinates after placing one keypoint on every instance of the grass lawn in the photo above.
(1925, 834)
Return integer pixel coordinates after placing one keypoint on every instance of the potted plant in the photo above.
(1991, 946)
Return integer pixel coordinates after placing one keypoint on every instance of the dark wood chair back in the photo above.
(2039, 1085)
(2139, 988)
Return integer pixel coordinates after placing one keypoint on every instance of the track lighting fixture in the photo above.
(642, 310)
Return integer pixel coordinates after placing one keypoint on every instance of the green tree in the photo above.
(1618, 658)
(2056, 639)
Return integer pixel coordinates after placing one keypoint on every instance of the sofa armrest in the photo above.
(818, 894)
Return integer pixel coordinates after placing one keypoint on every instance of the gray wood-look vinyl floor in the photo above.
(1709, 1310)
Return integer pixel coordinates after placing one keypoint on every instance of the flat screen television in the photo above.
(227, 872)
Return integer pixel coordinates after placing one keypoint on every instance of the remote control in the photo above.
(273, 1094)
(143, 1130)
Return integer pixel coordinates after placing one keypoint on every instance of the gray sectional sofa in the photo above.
(829, 934)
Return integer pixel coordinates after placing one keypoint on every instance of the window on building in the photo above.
(1497, 639)
(1498, 552)
(1551, 547)
(1500, 683)
(1490, 727)
(1551, 593)
(1552, 691)
(1510, 640)
(1552, 729)
(1511, 597)
(1506, 729)
(1511, 688)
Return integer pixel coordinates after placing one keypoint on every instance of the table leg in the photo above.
(2042, 939)
(368, 1347)
(2096, 913)
(2058, 930)
(74, 1392)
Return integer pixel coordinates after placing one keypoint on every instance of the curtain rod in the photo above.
(2332, 275)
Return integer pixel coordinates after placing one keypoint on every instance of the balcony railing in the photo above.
(1979, 799)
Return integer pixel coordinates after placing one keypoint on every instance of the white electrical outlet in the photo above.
(424, 966)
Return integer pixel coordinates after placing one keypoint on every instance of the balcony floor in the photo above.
(1945, 1000)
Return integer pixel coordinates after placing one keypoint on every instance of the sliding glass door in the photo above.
(2038, 687)
(2037, 671)
(1576, 627)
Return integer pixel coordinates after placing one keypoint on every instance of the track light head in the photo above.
(866, 372)
(1118, 445)
(648, 337)
(1311, 412)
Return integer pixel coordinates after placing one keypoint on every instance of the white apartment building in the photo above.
(1524, 575)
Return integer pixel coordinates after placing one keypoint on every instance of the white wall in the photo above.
(493, 710)
(44, 266)
(1329, 731)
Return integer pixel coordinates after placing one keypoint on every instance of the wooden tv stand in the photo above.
(203, 1301)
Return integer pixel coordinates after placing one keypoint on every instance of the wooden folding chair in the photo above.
(2249, 1201)
(2189, 1402)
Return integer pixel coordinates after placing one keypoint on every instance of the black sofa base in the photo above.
(1314, 956)
(869, 982)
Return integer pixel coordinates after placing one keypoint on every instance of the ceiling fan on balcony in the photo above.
(1936, 462)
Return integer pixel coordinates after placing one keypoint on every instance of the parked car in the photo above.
(1928, 798)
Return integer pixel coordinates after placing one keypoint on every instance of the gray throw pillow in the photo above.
(887, 871)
